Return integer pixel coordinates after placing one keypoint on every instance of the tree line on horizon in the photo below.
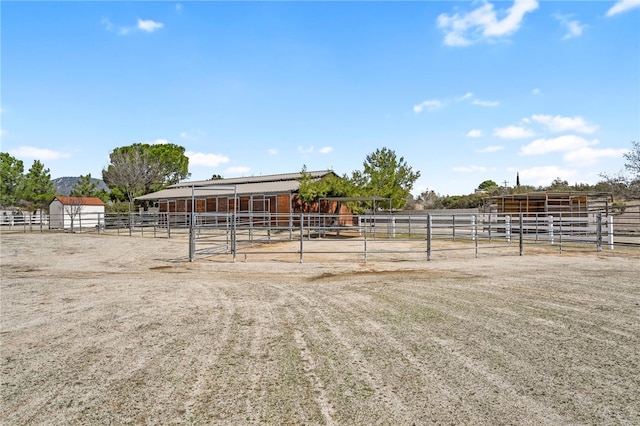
(139, 169)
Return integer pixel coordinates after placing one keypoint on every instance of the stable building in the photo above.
(275, 195)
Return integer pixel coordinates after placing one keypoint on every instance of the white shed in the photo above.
(75, 212)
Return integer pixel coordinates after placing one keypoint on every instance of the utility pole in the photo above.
(505, 183)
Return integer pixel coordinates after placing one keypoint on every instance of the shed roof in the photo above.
(84, 201)
(267, 184)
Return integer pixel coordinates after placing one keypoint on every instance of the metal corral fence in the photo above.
(421, 236)
(416, 236)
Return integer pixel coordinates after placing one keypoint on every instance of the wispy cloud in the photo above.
(31, 152)
(482, 23)
(144, 25)
(492, 148)
(513, 132)
(149, 25)
(623, 6)
(436, 104)
(207, 160)
(430, 105)
(486, 103)
(562, 124)
(574, 27)
(536, 91)
(559, 144)
(474, 133)
(272, 151)
(311, 149)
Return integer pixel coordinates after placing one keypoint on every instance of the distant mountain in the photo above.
(64, 184)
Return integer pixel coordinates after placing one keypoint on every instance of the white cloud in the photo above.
(179, 7)
(207, 160)
(308, 150)
(574, 27)
(238, 171)
(623, 6)
(563, 124)
(492, 148)
(544, 175)
(536, 91)
(160, 142)
(184, 135)
(513, 132)
(559, 144)
(474, 133)
(486, 103)
(149, 25)
(483, 23)
(430, 105)
(587, 156)
(465, 96)
(325, 150)
(470, 169)
(41, 154)
(272, 151)
(3, 132)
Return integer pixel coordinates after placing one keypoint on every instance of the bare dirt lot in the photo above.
(99, 329)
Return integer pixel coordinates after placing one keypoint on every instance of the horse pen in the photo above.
(98, 328)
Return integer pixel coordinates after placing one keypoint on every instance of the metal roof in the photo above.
(267, 184)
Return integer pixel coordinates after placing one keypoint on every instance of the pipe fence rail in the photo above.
(360, 237)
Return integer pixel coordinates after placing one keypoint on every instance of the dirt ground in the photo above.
(99, 329)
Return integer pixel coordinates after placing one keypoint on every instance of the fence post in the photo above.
(599, 231)
(550, 228)
(301, 234)
(192, 239)
(429, 236)
(507, 227)
(521, 235)
(365, 247)
(610, 231)
(475, 232)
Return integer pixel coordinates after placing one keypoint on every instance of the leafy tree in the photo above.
(142, 168)
(633, 159)
(386, 175)
(216, 176)
(37, 188)
(487, 186)
(11, 176)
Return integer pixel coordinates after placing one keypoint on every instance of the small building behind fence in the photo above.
(549, 203)
(75, 212)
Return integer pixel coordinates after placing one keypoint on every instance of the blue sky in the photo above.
(464, 91)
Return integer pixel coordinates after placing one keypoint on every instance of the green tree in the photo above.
(487, 186)
(84, 187)
(386, 175)
(142, 168)
(11, 176)
(37, 188)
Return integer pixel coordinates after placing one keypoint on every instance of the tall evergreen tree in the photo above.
(37, 189)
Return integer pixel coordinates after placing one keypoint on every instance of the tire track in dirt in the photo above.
(311, 315)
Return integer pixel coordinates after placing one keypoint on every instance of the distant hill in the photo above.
(64, 184)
